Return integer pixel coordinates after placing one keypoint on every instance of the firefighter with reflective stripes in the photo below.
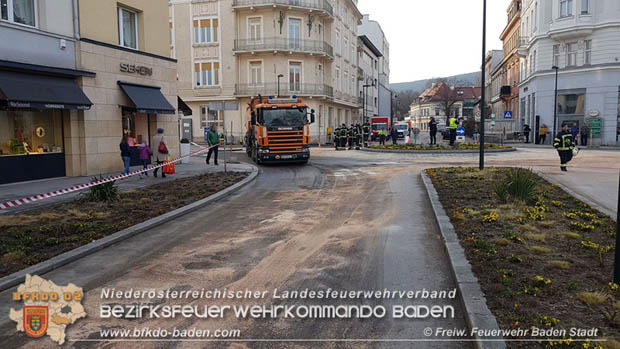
(565, 144)
(366, 133)
(352, 136)
(344, 134)
(337, 137)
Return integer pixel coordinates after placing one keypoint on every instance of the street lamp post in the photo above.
(365, 89)
(555, 101)
(483, 94)
(279, 76)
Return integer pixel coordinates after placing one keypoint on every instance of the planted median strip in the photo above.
(543, 258)
(33, 237)
(456, 148)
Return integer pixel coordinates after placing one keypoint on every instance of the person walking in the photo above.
(432, 128)
(145, 154)
(125, 154)
(454, 125)
(542, 134)
(394, 135)
(213, 141)
(564, 143)
(526, 132)
(583, 136)
(160, 155)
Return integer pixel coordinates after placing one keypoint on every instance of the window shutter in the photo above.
(196, 24)
(205, 23)
(197, 67)
(215, 22)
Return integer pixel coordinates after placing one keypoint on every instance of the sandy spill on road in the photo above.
(311, 237)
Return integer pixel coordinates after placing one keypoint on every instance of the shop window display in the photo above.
(30, 132)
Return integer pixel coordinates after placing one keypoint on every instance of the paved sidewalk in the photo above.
(21, 190)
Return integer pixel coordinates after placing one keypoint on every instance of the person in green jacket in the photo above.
(213, 140)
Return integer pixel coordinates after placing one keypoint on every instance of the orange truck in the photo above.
(278, 130)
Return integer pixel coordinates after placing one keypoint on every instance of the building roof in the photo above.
(370, 46)
(470, 92)
(442, 91)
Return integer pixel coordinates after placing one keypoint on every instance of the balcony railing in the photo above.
(286, 89)
(284, 44)
(319, 5)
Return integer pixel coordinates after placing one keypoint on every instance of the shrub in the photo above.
(519, 183)
(102, 192)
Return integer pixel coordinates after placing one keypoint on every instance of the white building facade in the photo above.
(582, 39)
(368, 77)
(372, 30)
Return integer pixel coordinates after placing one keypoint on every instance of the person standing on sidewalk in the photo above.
(565, 144)
(542, 134)
(125, 154)
(432, 128)
(526, 132)
(160, 155)
(213, 140)
(145, 154)
(583, 136)
(454, 125)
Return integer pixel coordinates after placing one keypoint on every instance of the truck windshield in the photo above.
(284, 117)
(401, 127)
(379, 127)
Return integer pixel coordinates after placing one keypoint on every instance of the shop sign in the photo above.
(136, 69)
(595, 125)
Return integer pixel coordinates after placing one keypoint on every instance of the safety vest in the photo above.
(453, 124)
(366, 129)
(564, 141)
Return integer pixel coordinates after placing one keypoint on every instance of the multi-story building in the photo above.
(507, 113)
(372, 30)
(581, 38)
(68, 78)
(493, 85)
(231, 51)
(441, 102)
(368, 77)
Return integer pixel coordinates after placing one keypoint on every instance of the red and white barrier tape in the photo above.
(15, 203)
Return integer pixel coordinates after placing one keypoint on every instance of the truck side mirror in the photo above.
(312, 116)
(253, 120)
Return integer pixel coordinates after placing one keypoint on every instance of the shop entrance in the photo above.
(138, 128)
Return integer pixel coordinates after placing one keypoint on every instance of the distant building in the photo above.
(582, 39)
(493, 83)
(368, 76)
(442, 101)
(372, 30)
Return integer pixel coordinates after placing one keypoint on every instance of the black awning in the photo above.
(183, 107)
(147, 99)
(22, 90)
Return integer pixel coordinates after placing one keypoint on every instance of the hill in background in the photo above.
(470, 79)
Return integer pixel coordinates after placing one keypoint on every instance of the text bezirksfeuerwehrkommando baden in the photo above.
(326, 294)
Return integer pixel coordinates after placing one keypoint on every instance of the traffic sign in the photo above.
(460, 131)
(508, 115)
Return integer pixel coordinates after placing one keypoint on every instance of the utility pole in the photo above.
(483, 94)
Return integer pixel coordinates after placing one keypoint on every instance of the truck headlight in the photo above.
(306, 150)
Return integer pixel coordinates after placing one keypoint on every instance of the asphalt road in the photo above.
(344, 224)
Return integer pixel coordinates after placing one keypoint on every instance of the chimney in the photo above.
(433, 85)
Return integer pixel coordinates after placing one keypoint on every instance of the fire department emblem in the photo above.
(35, 320)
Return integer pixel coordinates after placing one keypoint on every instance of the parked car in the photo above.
(444, 131)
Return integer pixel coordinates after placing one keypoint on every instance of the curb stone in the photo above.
(592, 204)
(90, 248)
(477, 313)
(403, 151)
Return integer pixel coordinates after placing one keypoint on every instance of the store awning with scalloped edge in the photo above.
(146, 99)
(35, 91)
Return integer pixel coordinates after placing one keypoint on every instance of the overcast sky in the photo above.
(435, 38)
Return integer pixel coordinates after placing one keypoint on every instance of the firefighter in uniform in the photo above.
(336, 136)
(565, 144)
(352, 136)
(343, 136)
(358, 127)
(366, 133)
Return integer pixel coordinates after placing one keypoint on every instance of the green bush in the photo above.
(102, 192)
(519, 183)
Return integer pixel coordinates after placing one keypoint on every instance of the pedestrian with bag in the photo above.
(125, 154)
(565, 144)
(432, 128)
(213, 140)
(160, 155)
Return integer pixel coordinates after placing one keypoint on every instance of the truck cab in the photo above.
(279, 130)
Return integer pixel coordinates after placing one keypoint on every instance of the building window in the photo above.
(128, 28)
(346, 48)
(209, 117)
(294, 33)
(533, 63)
(255, 30)
(294, 69)
(206, 30)
(585, 7)
(207, 74)
(571, 54)
(571, 104)
(337, 41)
(587, 57)
(19, 11)
(256, 73)
(337, 78)
(171, 33)
(556, 55)
(346, 81)
(30, 132)
(436, 111)
(566, 8)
